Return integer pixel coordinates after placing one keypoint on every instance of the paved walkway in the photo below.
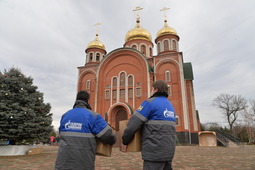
(186, 158)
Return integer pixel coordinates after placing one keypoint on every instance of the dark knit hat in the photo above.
(83, 95)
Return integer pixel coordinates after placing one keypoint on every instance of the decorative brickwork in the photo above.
(119, 81)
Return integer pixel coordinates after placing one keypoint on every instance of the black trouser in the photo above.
(157, 165)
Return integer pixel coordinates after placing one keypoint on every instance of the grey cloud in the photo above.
(47, 39)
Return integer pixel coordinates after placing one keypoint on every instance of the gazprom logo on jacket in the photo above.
(73, 125)
(168, 113)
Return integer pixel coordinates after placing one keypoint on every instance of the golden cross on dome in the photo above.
(97, 24)
(137, 13)
(164, 9)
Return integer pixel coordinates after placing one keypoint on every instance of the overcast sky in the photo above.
(46, 39)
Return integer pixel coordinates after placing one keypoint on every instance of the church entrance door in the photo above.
(120, 115)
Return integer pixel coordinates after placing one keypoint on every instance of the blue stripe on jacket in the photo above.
(157, 109)
(82, 121)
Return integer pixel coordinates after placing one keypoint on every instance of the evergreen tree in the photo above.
(23, 114)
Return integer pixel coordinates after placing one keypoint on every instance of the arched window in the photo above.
(114, 94)
(134, 47)
(166, 45)
(130, 93)
(107, 94)
(143, 49)
(114, 83)
(98, 57)
(122, 93)
(88, 84)
(138, 92)
(177, 120)
(122, 79)
(130, 81)
(167, 76)
(169, 90)
(150, 51)
(174, 45)
(158, 47)
(90, 57)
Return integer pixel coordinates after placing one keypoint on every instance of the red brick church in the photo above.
(120, 80)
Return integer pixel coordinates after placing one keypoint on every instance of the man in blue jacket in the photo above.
(78, 130)
(156, 118)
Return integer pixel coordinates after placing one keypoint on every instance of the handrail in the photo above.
(230, 137)
(222, 138)
(234, 138)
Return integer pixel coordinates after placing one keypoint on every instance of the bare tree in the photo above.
(211, 126)
(230, 106)
(249, 119)
(252, 102)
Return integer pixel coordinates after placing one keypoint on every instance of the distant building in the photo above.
(119, 81)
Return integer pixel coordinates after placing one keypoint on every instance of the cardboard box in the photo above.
(103, 149)
(136, 144)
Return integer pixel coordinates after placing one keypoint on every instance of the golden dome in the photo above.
(138, 33)
(96, 44)
(166, 30)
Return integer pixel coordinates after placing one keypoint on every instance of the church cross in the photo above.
(97, 24)
(137, 13)
(164, 9)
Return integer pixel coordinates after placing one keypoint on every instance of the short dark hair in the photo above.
(83, 95)
(161, 86)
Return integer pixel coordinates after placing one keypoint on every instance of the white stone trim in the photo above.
(104, 60)
(177, 44)
(194, 114)
(118, 103)
(184, 95)
(133, 87)
(159, 49)
(137, 46)
(163, 45)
